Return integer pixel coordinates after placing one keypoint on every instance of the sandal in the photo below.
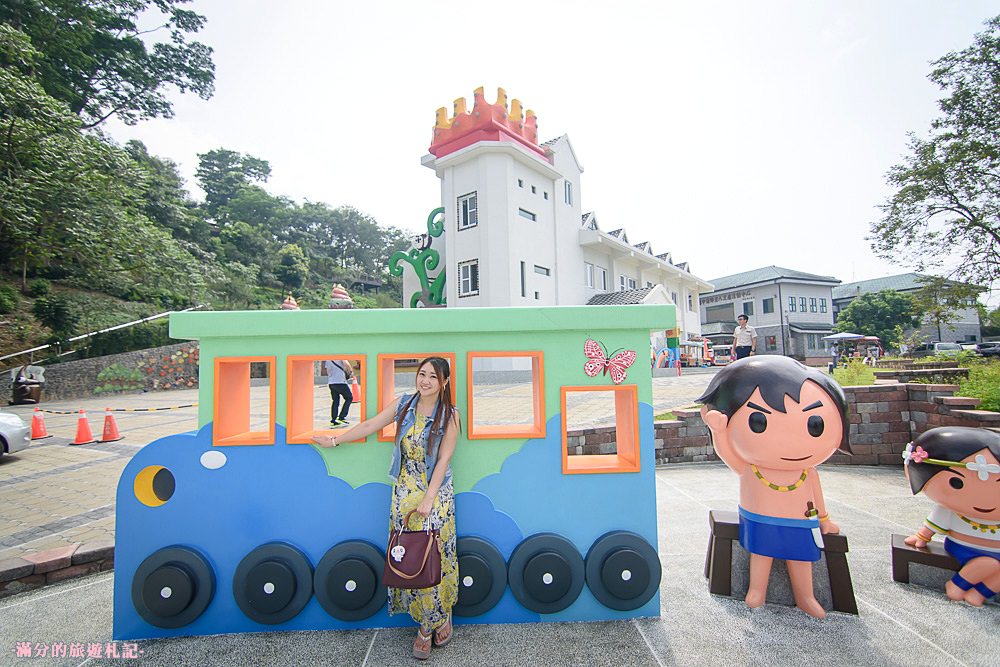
(422, 645)
(443, 634)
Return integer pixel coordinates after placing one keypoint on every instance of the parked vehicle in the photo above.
(721, 355)
(991, 349)
(932, 349)
(15, 435)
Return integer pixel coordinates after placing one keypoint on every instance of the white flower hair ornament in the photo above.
(982, 468)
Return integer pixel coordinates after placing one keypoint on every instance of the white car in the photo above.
(15, 435)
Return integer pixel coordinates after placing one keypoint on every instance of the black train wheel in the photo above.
(482, 576)
(172, 587)
(623, 570)
(546, 573)
(273, 583)
(348, 581)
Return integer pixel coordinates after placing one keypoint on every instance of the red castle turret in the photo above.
(486, 122)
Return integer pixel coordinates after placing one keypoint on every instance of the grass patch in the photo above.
(665, 417)
(854, 374)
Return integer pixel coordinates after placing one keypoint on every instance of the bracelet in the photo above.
(824, 517)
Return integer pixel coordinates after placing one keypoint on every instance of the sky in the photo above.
(733, 135)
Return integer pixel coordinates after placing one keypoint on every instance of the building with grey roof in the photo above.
(791, 310)
(964, 327)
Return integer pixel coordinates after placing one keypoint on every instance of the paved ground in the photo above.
(898, 624)
(53, 494)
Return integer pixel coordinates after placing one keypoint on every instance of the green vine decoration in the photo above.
(423, 259)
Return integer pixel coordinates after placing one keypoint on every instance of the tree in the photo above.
(223, 174)
(293, 267)
(96, 59)
(947, 201)
(884, 314)
(941, 299)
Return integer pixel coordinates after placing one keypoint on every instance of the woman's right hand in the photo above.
(325, 440)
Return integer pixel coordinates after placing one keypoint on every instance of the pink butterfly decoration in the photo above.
(598, 361)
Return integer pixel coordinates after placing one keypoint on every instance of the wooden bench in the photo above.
(724, 530)
(903, 554)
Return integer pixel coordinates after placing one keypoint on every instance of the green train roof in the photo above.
(225, 324)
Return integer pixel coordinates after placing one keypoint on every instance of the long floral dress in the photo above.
(429, 607)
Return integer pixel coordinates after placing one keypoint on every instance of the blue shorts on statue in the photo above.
(777, 537)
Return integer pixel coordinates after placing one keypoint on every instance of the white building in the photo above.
(514, 231)
(791, 311)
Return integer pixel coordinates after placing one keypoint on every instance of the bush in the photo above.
(983, 383)
(39, 287)
(138, 337)
(58, 313)
(8, 299)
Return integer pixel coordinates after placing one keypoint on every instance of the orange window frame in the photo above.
(300, 395)
(626, 434)
(536, 429)
(231, 407)
(387, 383)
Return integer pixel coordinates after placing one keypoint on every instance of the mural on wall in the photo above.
(423, 259)
(176, 370)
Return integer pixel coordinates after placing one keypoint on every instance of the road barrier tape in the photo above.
(169, 407)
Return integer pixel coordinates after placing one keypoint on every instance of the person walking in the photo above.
(744, 339)
(427, 427)
(338, 377)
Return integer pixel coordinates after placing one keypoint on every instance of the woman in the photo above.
(427, 428)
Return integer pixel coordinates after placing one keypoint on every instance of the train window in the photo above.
(397, 375)
(310, 399)
(506, 395)
(600, 429)
(243, 408)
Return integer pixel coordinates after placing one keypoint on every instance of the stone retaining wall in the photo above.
(169, 367)
(883, 419)
(46, 567)
(920, 374)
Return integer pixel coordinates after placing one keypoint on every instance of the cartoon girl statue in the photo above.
(959, 469)
(773, 420)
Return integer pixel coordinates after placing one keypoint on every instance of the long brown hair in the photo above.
(446, 409)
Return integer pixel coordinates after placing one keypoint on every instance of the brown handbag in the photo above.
(413, 557)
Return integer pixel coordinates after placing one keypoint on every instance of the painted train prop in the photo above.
(245, 526)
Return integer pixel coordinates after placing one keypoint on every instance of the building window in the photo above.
(802, 304)
(525, 214)
(770, 343)
(812, 341)
(533, 190)
(468, 212)
(545, 195)
(748, 308)
(621, 283)
(673, 297)
(690, 302)
(541, 270)
(649, 284)
(631, 283)
(791, 304)
(520, 183)
(468, 278)
(768, 306)
(588, 274)
(822, 305)
(568, 192)
(812, 304)
(602, 278)
(524, 280)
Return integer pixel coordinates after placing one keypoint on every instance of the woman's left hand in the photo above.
(425, 506)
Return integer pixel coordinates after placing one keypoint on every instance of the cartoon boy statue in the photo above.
(959, 469)
(773, 420)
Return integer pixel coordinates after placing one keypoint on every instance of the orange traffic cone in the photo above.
(111, 433)
(38, 426)
(83, 434)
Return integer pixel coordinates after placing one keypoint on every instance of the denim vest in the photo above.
(430, 458)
